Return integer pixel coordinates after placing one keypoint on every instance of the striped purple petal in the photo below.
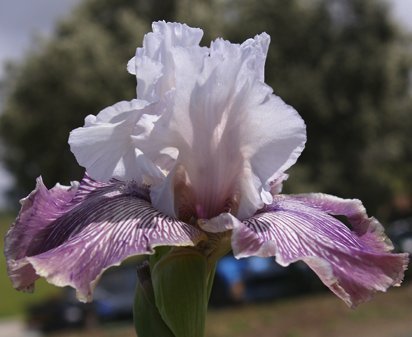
(70, 235)
(353, 262)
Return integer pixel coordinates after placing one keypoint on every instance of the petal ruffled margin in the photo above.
(153, 63)
(70, 235)
(354, 263)
(111, 144)
(233, 134)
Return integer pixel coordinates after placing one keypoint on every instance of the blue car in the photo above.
(260, 279)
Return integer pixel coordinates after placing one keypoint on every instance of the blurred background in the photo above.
(345, 65)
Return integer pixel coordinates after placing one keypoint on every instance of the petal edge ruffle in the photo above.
(91, 229)
(354, 264)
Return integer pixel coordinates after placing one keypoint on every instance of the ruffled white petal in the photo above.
(259, 46)
(153, 63)
(210, 119)
(234, 136)
(108, 145)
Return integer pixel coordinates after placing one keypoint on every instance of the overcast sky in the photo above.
(22, 20)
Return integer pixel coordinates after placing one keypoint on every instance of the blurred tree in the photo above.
(79, 72)
(341, 63)
(344, 66)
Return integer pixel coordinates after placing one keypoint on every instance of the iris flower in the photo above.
(197, 159)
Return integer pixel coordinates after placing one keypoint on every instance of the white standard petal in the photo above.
(277, 138)
(233, 135)
(258, 46)
(109, 145)
(153, 63)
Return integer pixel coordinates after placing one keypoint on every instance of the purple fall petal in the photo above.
(369, 229)
(354, 264)
(71, 235)
(40, 208)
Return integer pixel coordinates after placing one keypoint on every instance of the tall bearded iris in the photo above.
(196, 160)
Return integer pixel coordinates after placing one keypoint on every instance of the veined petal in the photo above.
(50, 203)
(370, 229)
(71, 235)
(353, 264)
(153, 63)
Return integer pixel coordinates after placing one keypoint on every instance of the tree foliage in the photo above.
(79, 72)
(342, 64)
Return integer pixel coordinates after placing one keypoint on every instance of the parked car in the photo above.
(58, 312)
(260, 279)
(113, 300)
(400, 232)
